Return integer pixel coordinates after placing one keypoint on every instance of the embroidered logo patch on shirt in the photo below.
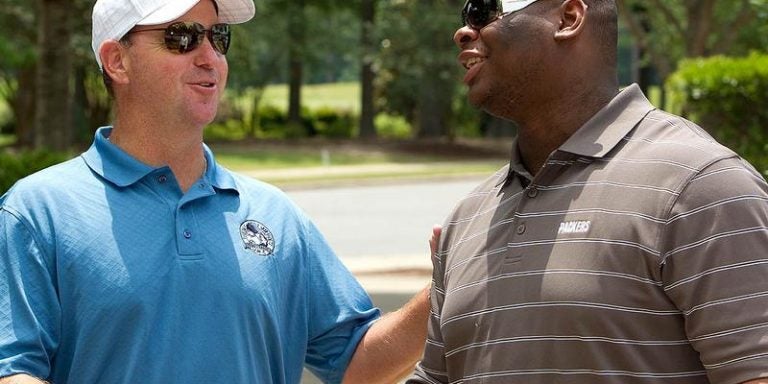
(257, 238)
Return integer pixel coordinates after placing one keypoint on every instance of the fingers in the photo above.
(435, 239)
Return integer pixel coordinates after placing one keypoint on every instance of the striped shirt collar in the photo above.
(600, 134)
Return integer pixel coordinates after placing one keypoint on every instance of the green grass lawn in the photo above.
(345, 96)
(239, 157)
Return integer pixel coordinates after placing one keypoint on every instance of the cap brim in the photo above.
(515, 5)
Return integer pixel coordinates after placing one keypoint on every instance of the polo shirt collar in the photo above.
(610, 125)
(118, 167)
(600, 134)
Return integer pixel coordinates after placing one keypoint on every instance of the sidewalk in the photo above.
(401, 275)
(334, 175)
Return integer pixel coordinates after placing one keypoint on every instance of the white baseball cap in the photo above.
(514, 5)
(112, 19)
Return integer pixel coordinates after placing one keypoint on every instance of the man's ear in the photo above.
(114, 61)
(573, 14)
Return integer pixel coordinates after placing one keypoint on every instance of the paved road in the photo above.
(380, 221)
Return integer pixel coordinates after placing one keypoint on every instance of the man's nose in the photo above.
(464, 35)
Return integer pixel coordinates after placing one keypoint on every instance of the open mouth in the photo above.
(473, 61)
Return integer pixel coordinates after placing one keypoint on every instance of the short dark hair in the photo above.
(606, 26)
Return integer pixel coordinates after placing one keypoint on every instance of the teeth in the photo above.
(475, 60)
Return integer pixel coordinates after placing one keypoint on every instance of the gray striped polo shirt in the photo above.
(638, 254)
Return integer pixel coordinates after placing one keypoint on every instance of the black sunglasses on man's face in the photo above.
(183, 37)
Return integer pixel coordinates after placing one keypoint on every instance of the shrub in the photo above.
(272, 122)
(230, 130)
(728, 97)
(14, 166)
(392, 127)
(332, 123)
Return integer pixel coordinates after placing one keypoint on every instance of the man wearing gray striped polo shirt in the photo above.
(621, 244)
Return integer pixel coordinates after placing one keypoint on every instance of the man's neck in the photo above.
(182, 152)
(548, 129)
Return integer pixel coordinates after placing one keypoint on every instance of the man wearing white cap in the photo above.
(620, 245)
(144, 261)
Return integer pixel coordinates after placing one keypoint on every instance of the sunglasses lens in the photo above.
(479, 13)
(220, 36)
(184, 37)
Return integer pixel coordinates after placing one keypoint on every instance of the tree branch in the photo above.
(669, 16)
(729, 32)
(635, 25)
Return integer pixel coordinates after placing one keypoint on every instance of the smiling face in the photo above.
(506, 62)
(176, 89)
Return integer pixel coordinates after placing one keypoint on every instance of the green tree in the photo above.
(18, 42)
(418, 70)
(670, 30)
(367, 72)
(54, 70)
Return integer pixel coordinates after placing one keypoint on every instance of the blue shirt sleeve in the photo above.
(340, 310)
(29, 308)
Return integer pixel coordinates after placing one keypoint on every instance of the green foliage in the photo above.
(727, 96)
(258, 55)
(229, 130)
(14, 166)
(272, 123)
(668, 31)
(417, 57)
(392, 127)
(333, 124)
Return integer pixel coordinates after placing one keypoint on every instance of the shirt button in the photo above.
(187, 234)
(162, 179)
(533, 192)
(521, 229)
(202, 185)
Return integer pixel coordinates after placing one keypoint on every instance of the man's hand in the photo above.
(393, 345)
(435, 240)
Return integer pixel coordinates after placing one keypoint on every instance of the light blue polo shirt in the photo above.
(110, 274)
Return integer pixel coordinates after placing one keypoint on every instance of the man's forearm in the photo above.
(393, 345)
(21, 379)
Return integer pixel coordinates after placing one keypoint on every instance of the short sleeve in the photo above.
(715, 263)
(340, 312)
(29, 308)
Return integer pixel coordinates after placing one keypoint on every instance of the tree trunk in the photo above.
(367, 113)
(437, 85)
(434, 105)
(53, 124)
(23, 105)
(700, 18)
(297, 35)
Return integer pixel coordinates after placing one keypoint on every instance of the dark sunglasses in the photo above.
(477, 14)
(185, 36)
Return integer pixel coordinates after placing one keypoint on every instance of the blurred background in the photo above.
(357, 110)
(316, 82)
